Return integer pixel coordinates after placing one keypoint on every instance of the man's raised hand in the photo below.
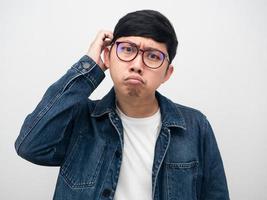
(102, 40)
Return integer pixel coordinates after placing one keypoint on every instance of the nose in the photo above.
(137, 64)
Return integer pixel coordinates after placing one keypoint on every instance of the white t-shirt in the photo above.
(140, 135)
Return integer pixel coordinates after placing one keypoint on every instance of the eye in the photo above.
(126, 48)
(154, 56)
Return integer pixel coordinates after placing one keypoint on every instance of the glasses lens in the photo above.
(126, 51)
(153, 58)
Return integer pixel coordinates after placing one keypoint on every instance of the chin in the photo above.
(134, 92)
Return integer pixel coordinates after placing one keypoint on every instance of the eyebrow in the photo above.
(146, 48)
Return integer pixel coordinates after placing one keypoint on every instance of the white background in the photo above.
(220, 69)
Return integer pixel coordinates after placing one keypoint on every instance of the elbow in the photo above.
(44, 157)
(26, 151)
(23, 150)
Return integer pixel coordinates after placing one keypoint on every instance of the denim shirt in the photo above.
(85, 138)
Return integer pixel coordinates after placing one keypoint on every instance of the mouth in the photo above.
(135, 80)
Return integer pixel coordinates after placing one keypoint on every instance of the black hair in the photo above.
(148, 23)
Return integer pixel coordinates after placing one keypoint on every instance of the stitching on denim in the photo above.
(39, 117)
(99, 164)
(69, 178)
(193, 168)
(84, 74)
(187, 165)
(161, 161)
(167, 193)
(110, 163)
(195, 176)
(174, 124)
(116, 129)
(46, 108)
(63, 90)
(73, 150)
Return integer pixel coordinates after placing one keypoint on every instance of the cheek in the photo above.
(115, 63)
(113, 74)
(155, 81)
(116, 72)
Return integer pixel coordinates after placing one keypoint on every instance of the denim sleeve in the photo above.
(214, 185)
(46, 131)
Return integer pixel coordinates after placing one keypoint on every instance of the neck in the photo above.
(137, 107)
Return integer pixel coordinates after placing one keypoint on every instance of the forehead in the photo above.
(144, 42)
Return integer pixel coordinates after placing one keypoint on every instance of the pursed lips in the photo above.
(134, 79)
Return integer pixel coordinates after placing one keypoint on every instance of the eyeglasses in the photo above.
(152, 58)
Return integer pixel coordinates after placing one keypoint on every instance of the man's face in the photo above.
(134, 78)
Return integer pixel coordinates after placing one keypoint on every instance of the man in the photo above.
(134, 144)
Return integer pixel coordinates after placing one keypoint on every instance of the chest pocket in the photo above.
(83, 164)
(181, 180)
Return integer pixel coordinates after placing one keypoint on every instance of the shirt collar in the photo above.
(170, 113)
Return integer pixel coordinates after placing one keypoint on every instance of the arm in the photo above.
(214, 185)
(46, 132)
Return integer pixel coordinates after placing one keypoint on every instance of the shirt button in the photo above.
(106, 192)
(86, 65)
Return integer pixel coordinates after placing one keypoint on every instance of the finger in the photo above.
(106, 43)
(107, 39)
(108, 35)
(102, 40)
(103, 35)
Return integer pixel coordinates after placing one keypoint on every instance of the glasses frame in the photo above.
(165, 56)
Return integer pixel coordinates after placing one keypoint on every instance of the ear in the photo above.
(107, 57)
(168, 73)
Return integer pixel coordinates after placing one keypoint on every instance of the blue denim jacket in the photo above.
(85, 138)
